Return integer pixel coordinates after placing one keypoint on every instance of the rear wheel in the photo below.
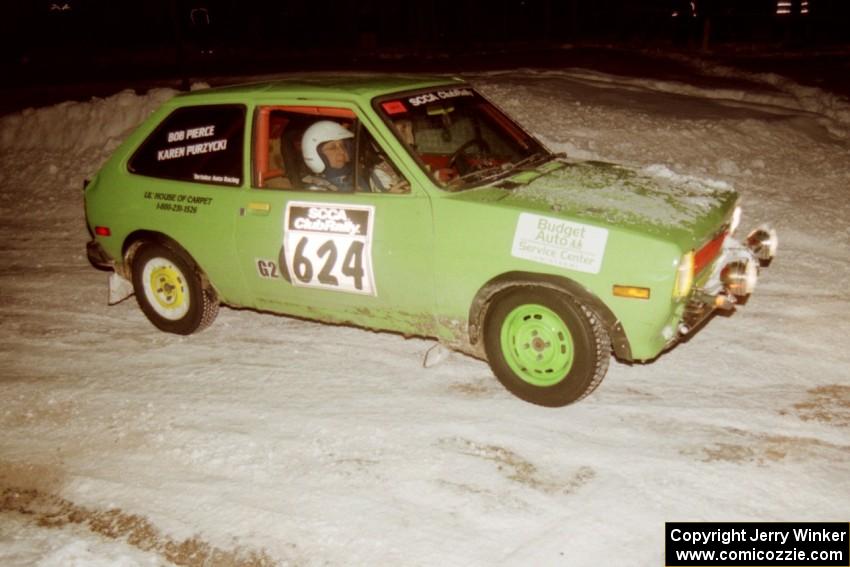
(170, 291)
(545, 347)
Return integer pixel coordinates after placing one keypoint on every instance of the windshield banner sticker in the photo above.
(561, 243)
(437, 96)
(329, 246)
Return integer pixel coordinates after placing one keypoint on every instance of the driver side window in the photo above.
(320, 149)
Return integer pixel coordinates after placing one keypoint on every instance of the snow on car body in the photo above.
(457, 225)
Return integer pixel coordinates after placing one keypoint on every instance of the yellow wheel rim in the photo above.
(166, 289)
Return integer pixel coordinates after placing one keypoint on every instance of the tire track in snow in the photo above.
(27, 490)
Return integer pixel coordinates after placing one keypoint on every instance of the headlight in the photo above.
(740, 277)
(684, 276)
(763, 243)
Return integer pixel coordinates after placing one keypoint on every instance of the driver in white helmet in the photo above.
(327, 150)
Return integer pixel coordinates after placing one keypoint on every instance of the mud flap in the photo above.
(435, 355)
(120, 288)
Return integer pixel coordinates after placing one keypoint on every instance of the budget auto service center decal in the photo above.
(329, 246)
(561, 243)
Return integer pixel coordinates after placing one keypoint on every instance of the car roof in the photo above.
(340, 87)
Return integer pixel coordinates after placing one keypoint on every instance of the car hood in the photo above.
(653, 200)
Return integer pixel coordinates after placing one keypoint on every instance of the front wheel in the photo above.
(170, 291)
(545, 347)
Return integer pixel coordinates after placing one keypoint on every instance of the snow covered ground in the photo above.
(267, 440)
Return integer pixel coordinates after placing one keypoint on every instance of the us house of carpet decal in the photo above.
(329, 246)
(561, 243)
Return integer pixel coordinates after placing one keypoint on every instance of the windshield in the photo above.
(458, 137)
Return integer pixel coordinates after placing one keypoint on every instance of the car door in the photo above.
(363, 257)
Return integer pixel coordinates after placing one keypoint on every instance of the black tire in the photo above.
(170, 290)
(545, 347)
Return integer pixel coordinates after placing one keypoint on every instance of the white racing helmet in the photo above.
(317, 134)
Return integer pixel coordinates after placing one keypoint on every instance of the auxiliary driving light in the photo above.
(740, 277)
(763, 243)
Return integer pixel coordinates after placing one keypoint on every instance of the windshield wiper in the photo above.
(486, 174)
(533, 160)
(496, 171)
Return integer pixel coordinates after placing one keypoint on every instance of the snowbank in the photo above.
(834, 108)
(80, 126)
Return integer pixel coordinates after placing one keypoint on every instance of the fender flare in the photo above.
(485, 296)
(135, 239)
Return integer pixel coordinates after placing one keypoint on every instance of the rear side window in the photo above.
(196, 143)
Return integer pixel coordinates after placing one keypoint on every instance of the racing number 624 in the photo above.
(327, 254)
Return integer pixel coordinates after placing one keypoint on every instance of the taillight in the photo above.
(102, 231)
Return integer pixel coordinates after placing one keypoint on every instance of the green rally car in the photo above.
(414, 205)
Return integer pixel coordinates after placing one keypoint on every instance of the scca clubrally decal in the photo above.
(329, 246)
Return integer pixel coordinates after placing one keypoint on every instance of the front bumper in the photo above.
(733, 278)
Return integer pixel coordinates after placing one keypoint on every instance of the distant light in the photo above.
(692, 11)
(784, 7)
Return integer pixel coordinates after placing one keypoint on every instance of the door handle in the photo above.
(259, 209)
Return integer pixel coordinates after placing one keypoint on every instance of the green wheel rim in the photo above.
(537, 345)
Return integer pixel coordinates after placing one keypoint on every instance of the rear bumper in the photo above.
(98, 256)
(120, 288)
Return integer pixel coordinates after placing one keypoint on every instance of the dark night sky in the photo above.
(77, 41)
